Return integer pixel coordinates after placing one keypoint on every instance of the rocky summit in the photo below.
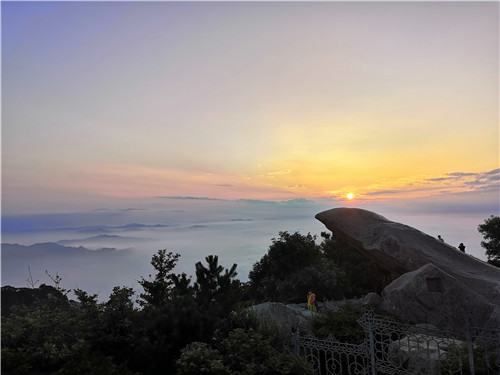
(431, 271)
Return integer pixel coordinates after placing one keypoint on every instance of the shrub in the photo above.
(200, 358)
(342, 324)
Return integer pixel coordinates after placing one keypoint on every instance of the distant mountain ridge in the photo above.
(10, 251)
(100, 238)
(79, 266)
(15, 227)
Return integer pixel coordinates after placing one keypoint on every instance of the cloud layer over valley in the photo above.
(111, 246)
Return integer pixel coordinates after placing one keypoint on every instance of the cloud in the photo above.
(239, 231)
(485, 180)
(441, 179)
(413, 187)
(284, 171)
(99, 239)
(118, 209)
(257, 201)
(192, 198)
(384, 192)
(479, 180)
(442, 202)
(92, 270)
(298, 201)
(494, 172)
(55, 223)
(461, 174)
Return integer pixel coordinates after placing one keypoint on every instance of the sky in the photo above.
(220, 111)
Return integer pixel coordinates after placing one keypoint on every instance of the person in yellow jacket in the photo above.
(311, 302)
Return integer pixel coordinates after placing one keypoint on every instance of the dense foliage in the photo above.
(342, 324)
(359, 274)
(490, 230)
(243, 351)
(293, 265)
(53, 335)
(296, 264)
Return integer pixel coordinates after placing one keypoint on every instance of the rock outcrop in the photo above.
(447, 279)
(420, 354)
(287, 317)
(430, 295)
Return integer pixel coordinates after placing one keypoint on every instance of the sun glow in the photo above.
(350, 196)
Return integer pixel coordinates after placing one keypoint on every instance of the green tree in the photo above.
(177, 313)
(490, 230)
(216, 292)
(213, 282)
(157, 291)
(293, 265)
(183, 285)
(117, 328)
(359, 275)
(170, 318)
(162, 332)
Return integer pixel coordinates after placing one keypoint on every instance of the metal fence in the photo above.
(393, 348)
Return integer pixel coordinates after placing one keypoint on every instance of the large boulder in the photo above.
(286, 318)
(432, 296)
(421, 354)
(400, 248)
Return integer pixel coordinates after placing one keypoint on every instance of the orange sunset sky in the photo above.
(253, 100)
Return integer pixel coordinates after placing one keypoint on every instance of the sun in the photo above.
(350, 196)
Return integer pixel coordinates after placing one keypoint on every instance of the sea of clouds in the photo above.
(104, 247)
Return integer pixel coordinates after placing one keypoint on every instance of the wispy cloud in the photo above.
(421, 186)
(486, 180)
(477, 181)
(298, 201)
(257, 201)
(462, 174)
(118, 209)
(273, 175)
(383, 192)
(192, 198)
(284, 171)
(437, 179)
(494, 172)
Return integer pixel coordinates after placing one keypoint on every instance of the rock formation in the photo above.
(420, 354)
(445, 276)
(287, 317)
(430, 295)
